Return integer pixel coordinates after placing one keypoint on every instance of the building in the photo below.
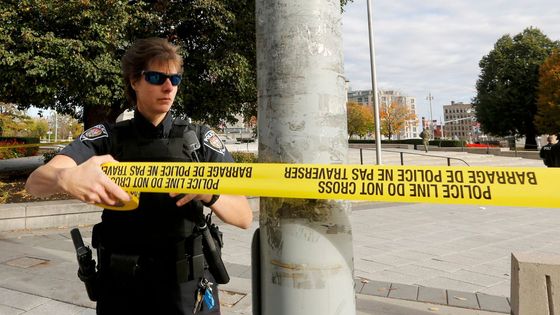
(460, 122)
(434, 127)
(241, 131)
(386, 97)
(361, 97)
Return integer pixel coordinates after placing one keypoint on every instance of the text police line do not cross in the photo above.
(450, 185)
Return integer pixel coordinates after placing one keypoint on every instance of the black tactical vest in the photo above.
(157, 224)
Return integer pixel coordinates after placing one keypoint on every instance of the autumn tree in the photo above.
(360, 119)
(13, 121)
(39, 128)
(548, 103)
(506, 100)
(393, 118)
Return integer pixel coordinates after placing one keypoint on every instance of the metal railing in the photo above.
(401, 153)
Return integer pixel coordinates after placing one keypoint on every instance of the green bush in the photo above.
(8, 153)
(12, 153)
(447, 143)
(244, 157)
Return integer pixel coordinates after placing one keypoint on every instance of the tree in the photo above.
(360, 119)
(64, 126)
(39, 127)
(394, 117)
(65, 54)
(13, 122)
(506, 100)
(219, 46)
(218, 38)
(548, 103)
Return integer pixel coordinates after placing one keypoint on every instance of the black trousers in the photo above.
(151, 292)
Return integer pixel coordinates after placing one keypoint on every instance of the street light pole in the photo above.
(55, 126)
(430, 98)
(377, 120)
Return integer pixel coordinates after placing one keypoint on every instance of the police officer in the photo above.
(148, 258)
(554, 154)
(546, 150)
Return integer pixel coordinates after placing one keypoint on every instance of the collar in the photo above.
(146, 128)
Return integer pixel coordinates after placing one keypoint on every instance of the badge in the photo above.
(94, 133)
(212, 141)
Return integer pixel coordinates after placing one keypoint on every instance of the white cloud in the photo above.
(435, 45)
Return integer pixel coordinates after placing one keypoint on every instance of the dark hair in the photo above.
(140, 55)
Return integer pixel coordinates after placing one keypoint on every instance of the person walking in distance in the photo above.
(425, 135)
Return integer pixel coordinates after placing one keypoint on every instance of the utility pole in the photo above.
(55, 126)
(374, 84)
(306, 258)
(430, 98)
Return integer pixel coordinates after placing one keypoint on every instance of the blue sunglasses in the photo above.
(158, 78)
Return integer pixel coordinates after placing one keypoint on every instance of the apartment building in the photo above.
(386, 97)
(460, 122)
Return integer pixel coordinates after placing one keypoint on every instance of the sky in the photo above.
(434, 46)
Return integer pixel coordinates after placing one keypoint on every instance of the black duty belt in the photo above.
(188, 260)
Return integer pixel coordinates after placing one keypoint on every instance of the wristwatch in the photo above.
(211, 202)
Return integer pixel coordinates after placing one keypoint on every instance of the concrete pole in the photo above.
(306, 245)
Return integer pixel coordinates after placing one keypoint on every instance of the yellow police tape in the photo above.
(46, 144)
(501, 186)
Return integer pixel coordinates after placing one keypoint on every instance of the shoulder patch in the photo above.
(94, 133)
(212, 141)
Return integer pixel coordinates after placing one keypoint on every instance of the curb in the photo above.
(57, 214)
(47, 214)
(451, 298)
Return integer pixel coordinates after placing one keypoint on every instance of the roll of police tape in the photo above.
(501, 186)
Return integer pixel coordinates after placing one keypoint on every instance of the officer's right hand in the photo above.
(88, 183)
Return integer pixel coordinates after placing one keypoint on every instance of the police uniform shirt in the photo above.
(157, 218)
(97, 140)
(546, 154)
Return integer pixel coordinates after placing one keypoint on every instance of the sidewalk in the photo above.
(455, 256)
(408, 258)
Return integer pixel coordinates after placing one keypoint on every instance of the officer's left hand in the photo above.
(186, 198)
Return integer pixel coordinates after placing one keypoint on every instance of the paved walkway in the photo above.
(445, 256)
(409, 258)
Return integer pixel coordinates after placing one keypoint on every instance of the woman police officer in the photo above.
(141, 253)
